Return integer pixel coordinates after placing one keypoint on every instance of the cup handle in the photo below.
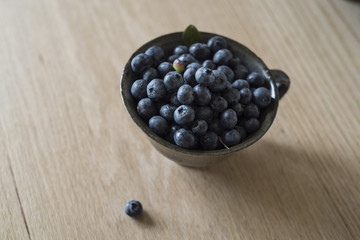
(282, 81)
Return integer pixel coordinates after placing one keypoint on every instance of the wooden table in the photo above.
(70, 157)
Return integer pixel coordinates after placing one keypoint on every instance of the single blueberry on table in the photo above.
(231, 138)
(216, 43)
(187, 58)
(218, 104)
(156, 89)
(246, 95)
(227, 71)
(200, 51)
(194, 65)
(222, 56)
(202, 95)
(219, 83)
(199, 127)
(180, 49)
(167, 111)
(232, 96)
(133, 208)
(185, 138)
(150, 74)
(173, 80)
(164, 68)
(255, 79)
(251, 125)
(228, 119)
(262, 97)
(159, 125)
(251, 111)
(238, 108)
(146, 108)
(209, 141)
(156, 53)
(240, 71)
(138, 89)
(204, 76)
(185, 94)
(189, 76)
(209, 64)
(240, 84)
(141, 62)
(184, 115)
(204, 113)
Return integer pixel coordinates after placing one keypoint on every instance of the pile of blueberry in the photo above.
(200, 97)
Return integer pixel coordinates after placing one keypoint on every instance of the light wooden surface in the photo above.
(70, 157)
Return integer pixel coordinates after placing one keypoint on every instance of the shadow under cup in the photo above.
(277, 82)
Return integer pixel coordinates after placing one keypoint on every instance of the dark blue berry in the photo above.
(240, 84)
(255, 79)
(173, 100)
(138, 89)
(173, 80)
(184, 115)
(222, 57)
(159, 125)
(199, 127)
(180, 49)
(228, 119)
(209, 64)
(218, 104)
(209, 141)
(242, 132)
(170, 136)
(194, 65)
(204, 113)
(150, 74)
(164, 68)
(141, 62)
(167, 111)
(251, 125)
(238, 108)
(240, 71)
(185, 138)
(146, 108)
(231, 138)
(232, 96)
(185, 94)
(133, 208)
(202, 95)
(172, 58)
(220, 82)
(215, 126)
(216, 43)
(227, 71)
(251, 111)
(204, 76)
(189, 76)
(200, 51)
(234, 62)
(156, 53)
(156, 89)
(187, 58)
(262, 97)
(246, 95)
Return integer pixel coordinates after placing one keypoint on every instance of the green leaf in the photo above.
(191, 35)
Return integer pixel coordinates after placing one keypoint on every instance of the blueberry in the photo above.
(242, 132)
(204, 113)
(204, 76)
(150, 74)
(138, 89)
(185, 94)
(180, 49)
(215, 126)
(255, 79)
(240, 84)
(170, 136)
(164, 68)
(231, 138)
(216, 43)
(219, 83)
(209, 141)
(167, 111)
(156, 53)
(200, 51)
(146, 108)
(199, 127)
(228, 119)
(173, 80)
(228, 72)
(159, 125)
(178, 65)
(172, 58)
(141, 62)
(222, 56)
(194, 65)
(238, 108)
(187, 59)
(262, 97)
(202, 95)
(189, 76)
(232, 96)
(173, 100)
(246, 95)
(133, 208)
(218, 104)
(234, 62)
(240, 71)
(251, 125)
(209, 64)
(251, 111)
(185, 138)
(184, 115)
(156, 89)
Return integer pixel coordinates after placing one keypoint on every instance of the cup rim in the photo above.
(254, 137)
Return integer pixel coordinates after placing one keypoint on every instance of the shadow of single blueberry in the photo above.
(145, 219)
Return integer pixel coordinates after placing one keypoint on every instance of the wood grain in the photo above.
(71, 157)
